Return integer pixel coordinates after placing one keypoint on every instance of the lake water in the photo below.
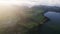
(53, 25)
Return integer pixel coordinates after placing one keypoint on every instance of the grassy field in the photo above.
(33, 19)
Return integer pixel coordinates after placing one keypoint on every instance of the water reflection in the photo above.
(53, 25)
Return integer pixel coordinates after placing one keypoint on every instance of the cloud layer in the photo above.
(32, 2)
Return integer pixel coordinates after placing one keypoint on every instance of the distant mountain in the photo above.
(47, 8)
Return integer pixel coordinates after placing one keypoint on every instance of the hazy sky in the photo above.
(32, 2)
